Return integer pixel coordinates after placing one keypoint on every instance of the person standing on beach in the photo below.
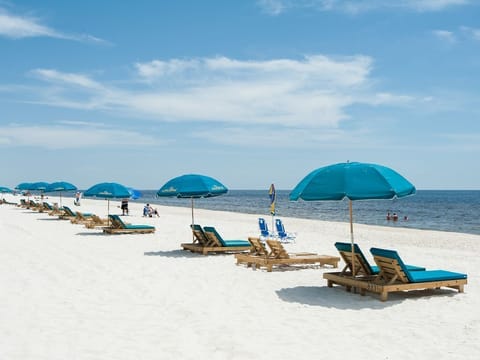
(124, 206)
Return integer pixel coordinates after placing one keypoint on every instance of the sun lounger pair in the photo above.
(394, 276)
(278, 256)
(207, 239)
(117, 226)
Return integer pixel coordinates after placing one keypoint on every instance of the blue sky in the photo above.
(250, 92)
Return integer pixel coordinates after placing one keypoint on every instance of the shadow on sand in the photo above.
(338, 298)
(178, 253)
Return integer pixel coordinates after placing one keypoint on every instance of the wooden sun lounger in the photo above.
(394, 276)
(95, 221)
(215, 243)
(117, 226)
(362, 266)
(279, 256)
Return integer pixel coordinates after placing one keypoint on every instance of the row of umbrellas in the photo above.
(350, 180)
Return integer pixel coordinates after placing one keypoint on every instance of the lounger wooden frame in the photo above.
(117, 227)
(208, 243)
(390, 279)
(279, 256)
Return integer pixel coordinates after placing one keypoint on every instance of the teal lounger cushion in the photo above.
(418, 276)
(130, 226)
(139, 227)
(226, 243)
(347, 247)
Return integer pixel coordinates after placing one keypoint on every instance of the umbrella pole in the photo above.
(351, 236)
(108, 212)
(193, 222)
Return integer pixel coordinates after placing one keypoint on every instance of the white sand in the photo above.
(68, 292)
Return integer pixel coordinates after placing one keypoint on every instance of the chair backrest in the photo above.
(361, 264)
(47, 206)
(280, 228)
(69, 211)
(116, 222)
(263, 227)
(277, 250)
(214, 236)
(258, 248)
(391, 266)
(199, 234)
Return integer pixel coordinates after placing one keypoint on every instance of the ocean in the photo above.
(444, 210)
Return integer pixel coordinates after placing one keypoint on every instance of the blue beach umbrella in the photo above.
(39, 186)
(23, 186)
(353, 181)
(192, 186)
(4, 189)
(108, 191)
(134, 194)
(60, 186)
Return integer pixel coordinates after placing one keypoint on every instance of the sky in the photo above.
(249, 92)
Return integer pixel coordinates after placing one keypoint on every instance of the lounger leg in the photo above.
(329, 283)
(383, 296)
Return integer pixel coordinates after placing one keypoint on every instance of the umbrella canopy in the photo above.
(108, 191)
(23, 186)
(192, 186)
(354, 181)
(134, 194)
(4, 189)
(60, 186)
(40, 186)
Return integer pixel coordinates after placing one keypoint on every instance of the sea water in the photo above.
(445, 210)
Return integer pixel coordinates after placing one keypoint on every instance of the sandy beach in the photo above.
(68, 292)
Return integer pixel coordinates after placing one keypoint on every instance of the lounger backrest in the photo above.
(361, 263)
(116, 222)
(258, 247)
(199, 234)
(391, 265)
(278, 251)
(214, 236)
(69, 211)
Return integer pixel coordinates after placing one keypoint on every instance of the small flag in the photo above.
(272, 195)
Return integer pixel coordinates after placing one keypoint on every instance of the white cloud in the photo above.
(276, 7)
(66, 78)
(18, 27)
(71, 135)
(313, 91)
(445, 35)
(473, 33)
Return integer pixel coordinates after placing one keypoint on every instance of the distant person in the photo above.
(405, 218)
(394, 217)
(78, 196)
(389, 217)
(146, 210)
(152, 212)
(124, 206)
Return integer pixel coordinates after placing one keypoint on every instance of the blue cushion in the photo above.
(226, 243)
(139, 227)
(418, 276)
(436, 275)
(237, 243)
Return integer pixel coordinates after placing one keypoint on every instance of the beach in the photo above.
(76, 293)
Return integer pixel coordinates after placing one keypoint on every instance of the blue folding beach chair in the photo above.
(282, 235)
(264, 233)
